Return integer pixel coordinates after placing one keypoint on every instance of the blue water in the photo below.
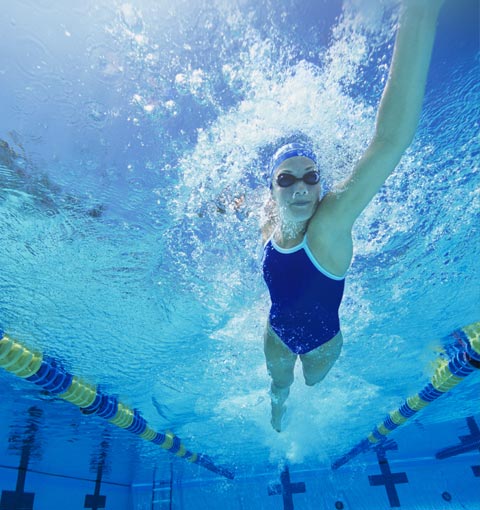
(131, 194)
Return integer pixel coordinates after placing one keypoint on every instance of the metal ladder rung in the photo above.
(162, 485)
(162, 493)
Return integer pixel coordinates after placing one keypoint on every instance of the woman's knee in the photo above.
(280, 361)
(282, 376)
(315, 372)
(313, 377)
(316, 365)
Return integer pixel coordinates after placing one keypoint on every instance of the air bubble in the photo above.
(132, 18)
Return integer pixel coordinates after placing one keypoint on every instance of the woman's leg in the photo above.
(317, 363)
(280, 365)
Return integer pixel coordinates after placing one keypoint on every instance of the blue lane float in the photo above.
(465, 359)
(47, 373)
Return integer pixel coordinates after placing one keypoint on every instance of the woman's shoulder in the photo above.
(330, 244)
(325, 227)
(329, 214)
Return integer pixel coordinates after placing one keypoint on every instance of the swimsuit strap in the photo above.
(314, 261)
(299, 246)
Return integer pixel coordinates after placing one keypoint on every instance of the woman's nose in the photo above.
(300, 189)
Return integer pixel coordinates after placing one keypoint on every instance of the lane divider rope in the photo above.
(43, 371)
(465, 343)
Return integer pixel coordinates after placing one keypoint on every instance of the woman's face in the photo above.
(299, 201)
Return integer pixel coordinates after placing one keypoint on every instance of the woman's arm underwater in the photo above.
(397, 116)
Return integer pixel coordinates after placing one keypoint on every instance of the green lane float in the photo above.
(465, 343)
(47, 373)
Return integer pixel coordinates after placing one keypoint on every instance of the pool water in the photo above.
(133, 144)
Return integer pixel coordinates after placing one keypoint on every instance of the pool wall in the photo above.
(42, 490)
(380, 479)
(389, 477)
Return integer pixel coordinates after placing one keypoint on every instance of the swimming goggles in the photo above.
(287, 180)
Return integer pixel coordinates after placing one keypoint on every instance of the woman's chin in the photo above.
(298, 216)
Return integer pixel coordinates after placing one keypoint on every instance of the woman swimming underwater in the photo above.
(308, 239)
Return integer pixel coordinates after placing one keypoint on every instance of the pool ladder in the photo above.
(162, 492)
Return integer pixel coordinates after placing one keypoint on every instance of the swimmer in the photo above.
(308, 239)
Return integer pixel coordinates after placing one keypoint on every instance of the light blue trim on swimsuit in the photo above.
(304, 245)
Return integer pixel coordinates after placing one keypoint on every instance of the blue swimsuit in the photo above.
(305, 297)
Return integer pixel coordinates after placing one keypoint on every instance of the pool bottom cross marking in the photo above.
(19, 499)
(96, 501)
(467, 444)
(388, 478)
(286, 489)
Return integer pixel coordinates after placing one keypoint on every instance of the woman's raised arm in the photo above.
(398, 113)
